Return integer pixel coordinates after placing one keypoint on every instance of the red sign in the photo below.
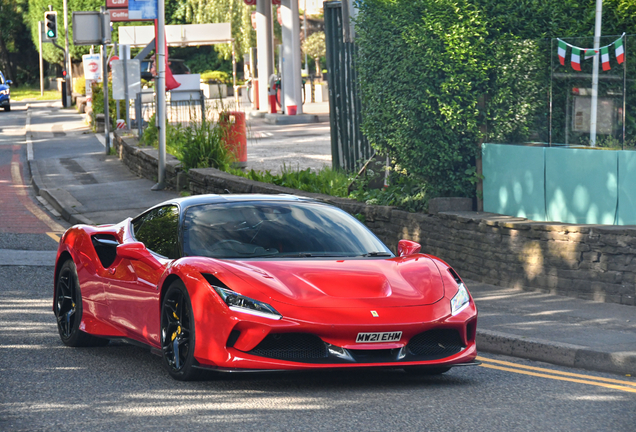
(93, 67)
(118, 15)
(250, 2)
(112, 4)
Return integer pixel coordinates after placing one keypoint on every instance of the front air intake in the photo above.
(291, 346)
(435, 344)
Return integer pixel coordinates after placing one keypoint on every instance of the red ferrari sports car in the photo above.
(261, 282)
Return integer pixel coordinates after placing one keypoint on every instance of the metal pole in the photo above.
(161, 93)
(624, 83)
(305, 33)
(597, 44)
(236, 105)
(105, 87)
(124, 52)
(40, 25)
(67, 65)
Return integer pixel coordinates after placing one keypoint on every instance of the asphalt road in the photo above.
(47, 386)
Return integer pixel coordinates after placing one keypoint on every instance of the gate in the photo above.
(349, 148)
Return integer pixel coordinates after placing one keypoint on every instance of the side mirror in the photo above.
(408, 247)
(137, 251)
(134, 250)
(9, 82)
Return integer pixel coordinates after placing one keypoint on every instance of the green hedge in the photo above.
(422, 67)
(439, 76)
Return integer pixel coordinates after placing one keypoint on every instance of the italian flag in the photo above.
(620, 52)
(605, 58)
(575, 60)
(589, 53)
(562, 51)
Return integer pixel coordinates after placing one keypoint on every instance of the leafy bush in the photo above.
(80, 85)
(421, 81)
(325, 181)
(197, 145)
(98, 102)
(218, 76)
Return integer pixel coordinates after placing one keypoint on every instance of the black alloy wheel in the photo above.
(177, 333)
(68, 309)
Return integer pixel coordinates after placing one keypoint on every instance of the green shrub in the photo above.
(325, 181)
(218, 76)
(197, 145)
(421, 80)
(98, 102)
(80, 85)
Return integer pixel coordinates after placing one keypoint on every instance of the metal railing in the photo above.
(183, 106)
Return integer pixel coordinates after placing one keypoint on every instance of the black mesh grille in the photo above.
(436, 344)
(291, 346)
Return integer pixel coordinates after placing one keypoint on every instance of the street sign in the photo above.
(117, 15)
(92, 67)
(134, 78)
(142, 9)
(91, 28)
(114, 4)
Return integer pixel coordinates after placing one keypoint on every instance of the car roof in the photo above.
(195, 200)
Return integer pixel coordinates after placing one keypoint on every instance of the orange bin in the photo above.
(234, 124)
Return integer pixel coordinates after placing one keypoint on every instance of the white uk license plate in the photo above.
(378, 337)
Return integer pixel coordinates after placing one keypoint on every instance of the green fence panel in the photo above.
(581, 185)
(626, 187)
(514, 180)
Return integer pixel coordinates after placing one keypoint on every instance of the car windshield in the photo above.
(276, 230)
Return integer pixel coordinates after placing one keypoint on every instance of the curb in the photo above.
(282, 119)
(556, 353)
(69, 215)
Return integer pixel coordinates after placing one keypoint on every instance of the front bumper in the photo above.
(5, 101)
(327, 339)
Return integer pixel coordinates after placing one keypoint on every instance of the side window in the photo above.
(158, 230)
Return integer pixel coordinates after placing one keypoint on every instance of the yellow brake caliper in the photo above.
(174, 314)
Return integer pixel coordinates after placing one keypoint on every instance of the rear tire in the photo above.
(68, 309)
(425, 371)
(177, 333)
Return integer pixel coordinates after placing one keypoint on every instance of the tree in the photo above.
(11, 26)
(315, 48)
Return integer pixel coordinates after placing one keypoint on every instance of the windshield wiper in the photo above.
(377, 254)
(308, 255)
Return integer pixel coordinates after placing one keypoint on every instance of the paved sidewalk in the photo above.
(70, 170)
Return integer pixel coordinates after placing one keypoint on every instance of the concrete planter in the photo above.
(212, 91)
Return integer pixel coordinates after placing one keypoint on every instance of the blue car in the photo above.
(5, 93)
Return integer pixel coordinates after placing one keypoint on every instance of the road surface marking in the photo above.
(21, 192)
(54, 236)
(614, 384)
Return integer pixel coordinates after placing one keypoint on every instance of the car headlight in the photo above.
(240, 303)
(4, 92)
(461, 299)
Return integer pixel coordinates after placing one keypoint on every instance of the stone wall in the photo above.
(594, 262)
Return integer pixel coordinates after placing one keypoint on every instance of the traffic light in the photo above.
(50, 25)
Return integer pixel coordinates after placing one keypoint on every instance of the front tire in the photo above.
(177, 333)
(68, 309)
(7, 108)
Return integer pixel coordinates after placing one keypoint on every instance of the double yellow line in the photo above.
(626, 386)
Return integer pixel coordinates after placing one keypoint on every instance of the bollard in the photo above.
(236, 136)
